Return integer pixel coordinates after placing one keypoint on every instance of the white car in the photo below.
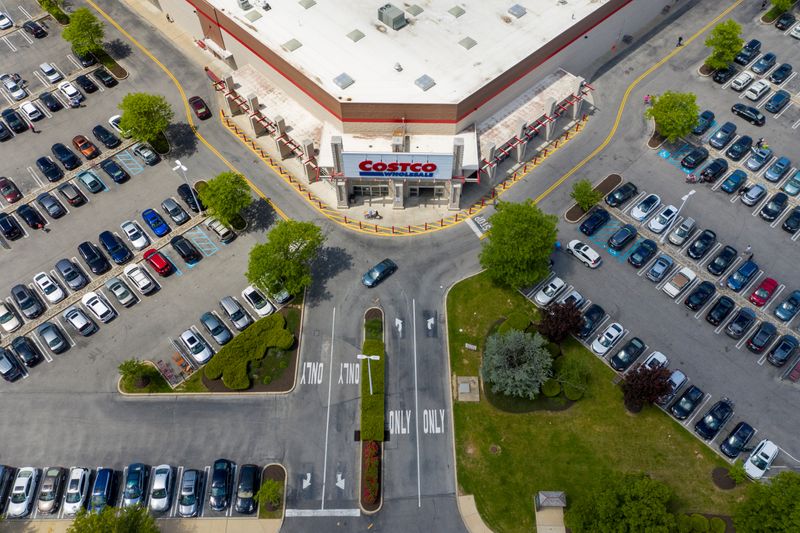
(5, 21)
(257, 301)
(114, 123)
(584, 253)
(50, 72)
(76, 491)
(8, 318)
(13, 88)
(160, 492)
(606, 340)
(69, 90)
(23, 492)
(656, 360)
(49, 288)
(679, 281)
(79, 321)
(549, 291)
(647, 206)
(757, 90)
(134, 233)
(200, 351)
(761, 459)
(795, 32)
(31, 111)
(140, 279)
(741, 81)
(98, 307)
(661, 222)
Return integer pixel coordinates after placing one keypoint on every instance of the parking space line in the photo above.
(176, 492)
(709, 255)
(45, 352)
(747, 288)
(647, 265)
(760, 205)
(11, 46)
(64, 331)
(174, 264)
(131, 164)
(727, 320)
(746, 335)
(796, 236)
(230, 506)
(697, 411)
(74, 61)
(784, 109)
(24, 36)
(702, 310)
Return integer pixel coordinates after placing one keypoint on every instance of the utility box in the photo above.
(392, 16)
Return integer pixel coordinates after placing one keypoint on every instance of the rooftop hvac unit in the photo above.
(245, 4)
(392, 16)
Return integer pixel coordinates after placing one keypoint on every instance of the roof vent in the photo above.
(343, 80)
(517, 10)
(392, 16)
(414, 10)
(424, 82)
(467, 42)
(245, 4)
(398, 67)
(252, 16)
(456, 11)
(355, 35)
(291, 45)
(307, 3)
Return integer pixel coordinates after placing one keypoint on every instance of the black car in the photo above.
(762, 337)
(716, 417)
(774, 207)
(783, 350)
(114, 171)
(86, 60)
(704, 122)
(71, 194)
(702, 244)
(714, 170)
(221, 484)
(185, 249)
(50, 102)
(750, 114)
(27, 351)
(9, 227)
(189, 195)
(27, 301)
(724, 74)
(5, 133)
(590, 320)
(740, 148)
(737, 439)
(723, 136)
(764, 63)
(720, 311)
(50, 170)
(687, 403)
(621, 194)
(246, 489)
(627, 355)
(792, 222)
(694, 158)
(700, 295)
(622, 237)
(785, 21)
(115, 248)
(105, 77)
(778, 101)
(740, 323)
(34, 29)
(94, 258)
(14, 121)
(10, 368)
(378, 273)
(65, 156)
(596, 220)
(748, 52)
(722, 260)
(31, 217)
(780, 74)
(52, 206)
(86, 84)
(102, 134)
(642, 253)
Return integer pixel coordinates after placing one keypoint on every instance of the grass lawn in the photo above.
(572, 450)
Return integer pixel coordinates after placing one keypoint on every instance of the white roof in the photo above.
(322, 41)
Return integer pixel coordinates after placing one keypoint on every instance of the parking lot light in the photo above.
(684, 198)
(369, 368)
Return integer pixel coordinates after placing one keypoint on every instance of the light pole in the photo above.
(683, 203)
(180, 166)
(369, 368)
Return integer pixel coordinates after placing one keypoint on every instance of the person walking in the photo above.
(748, 250)
(680, 41)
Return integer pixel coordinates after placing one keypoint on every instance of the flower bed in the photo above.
(370, 475)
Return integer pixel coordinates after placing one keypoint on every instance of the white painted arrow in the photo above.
(430, 322)
(399, 325)
(307, 481)
(339, 480)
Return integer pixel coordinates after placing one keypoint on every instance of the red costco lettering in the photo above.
(429, 167)
(365, 165)
(404, 166)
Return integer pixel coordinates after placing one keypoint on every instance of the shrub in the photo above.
(551, 388)
(585, 194)
(554, 349)
(573, 393)
(717, 525)
(371, 466)
(373, 329)
(684, 523)
(267, 379)
(699, 523)
(737, 473)
(270, 493)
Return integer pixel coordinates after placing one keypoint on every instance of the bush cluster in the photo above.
(232, 361)
(372, 405)
(371, 467)
(551, 388)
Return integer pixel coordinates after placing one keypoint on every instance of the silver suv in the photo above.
(682, 232)
(234, 311)
(188, 499)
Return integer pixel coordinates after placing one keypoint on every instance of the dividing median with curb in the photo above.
(373, 357)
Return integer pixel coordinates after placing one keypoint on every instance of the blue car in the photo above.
(759, 158)
(734, 181)
(778, 169)
(766, 62)
(742, 276)
(778, 101)
(786, 310)
(660, 268)
(112, 244)
(704, 122)
(155, 222)
(596, 220)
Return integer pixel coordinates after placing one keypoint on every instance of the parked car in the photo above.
(200, 108)
(590, 320)
(694, 158)
(161, 491)
(140, 279)
(246, 489)
(32, 113)
(103, 490)
(85, 146)
(778, 169)
(608, 338)
(722, 260)
(702, 245)
(76, 318)
(775, 206)
(98, 306)
(70, 92)
(155, 222)
(646, 207)
(752, 194)
(704, 122)
(221, 484)
(787, 309)
(23, 492)
(104, 77)
(737, 439)
(27, 351)
(222, 231)
(573, 298)
(257, 301)
(378, 273)
(52, 292)
(52, 206)
(216, 328)
(759, 158)
(584, 253)
(5, 21)
(50, 170)
(108, 139)
(189, 496)
(780, 74)
(9, 321)
(14, 121)
(115, 248)
(621, 194)
(31, 216)
(642, 252)
(742, 321)
(90, 181)
(10, 369)
(700, 295)
(188, 251)
(740, 148)
(50, 101)
(26, 301)
(627, 355)
(12, 87)
(742, 80)
(597, 218)
(86, 84)
(792, 185)
(86, 59)
(71, 273)
(784, 349)
(676, 380)
(114, 171)
(65, 156)
(749, 113)
(77, 491)
(792, 222)
(135, 235)
(52, 337)
(720, 310)
(622, 237)
(655, 360)
(748, 52)
(121, 292)
(53, 481)
(660, 268)
(687, 402)
(785, 21)
(765, 62)
(71, 194)
(158, 262)
(723, 136)
(743, 275)
(757, 90)
(735, 180)
(114, 122)
(145, 153)
(235, 313)
(762, 337)
(714, 170)
(761, 295)
(715, 418)
(663, 220)
(174, 211)
(9, 190)
(724, 74)
(760, 459)
(684, 230)
(679, 281)
(93, 258)
(135, 485)
(189, 196)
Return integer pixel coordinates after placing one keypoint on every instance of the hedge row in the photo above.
(233, 359)
(372, 405)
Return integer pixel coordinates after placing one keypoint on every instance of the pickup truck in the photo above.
(679, 282)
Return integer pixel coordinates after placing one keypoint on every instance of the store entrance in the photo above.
(427, 195)
(368, 194)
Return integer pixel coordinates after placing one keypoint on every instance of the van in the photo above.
(235, 313)
(223, 232)
(682, 232)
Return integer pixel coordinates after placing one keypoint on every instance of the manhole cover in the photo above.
(494, 449)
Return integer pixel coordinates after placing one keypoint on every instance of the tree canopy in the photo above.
(134, 519)
(772, 507)
(84, 31)
(516, 363)
(675, 114)
(584, 194)
(521, 239)
(226, 196)
(645, 386)
(284, 261)
(559, 320)
(145, 115)
(725, 42)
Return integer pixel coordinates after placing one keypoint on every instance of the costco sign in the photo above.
(398, 165)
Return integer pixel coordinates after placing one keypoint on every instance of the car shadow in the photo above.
(181, 139)
(330, 262)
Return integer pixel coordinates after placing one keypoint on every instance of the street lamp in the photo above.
(369, 368)
(683, 202)
(180, 166)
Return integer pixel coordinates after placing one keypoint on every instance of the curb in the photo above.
(285, 480)
(360, 447)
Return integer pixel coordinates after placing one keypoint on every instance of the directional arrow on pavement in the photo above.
(339, 480)
(307, 481)
(399, 325)
(431, 322)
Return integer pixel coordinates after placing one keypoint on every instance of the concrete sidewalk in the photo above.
(192, 525)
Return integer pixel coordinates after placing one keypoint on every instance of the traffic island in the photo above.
(373, 363)
(575, 213)
(272, 493)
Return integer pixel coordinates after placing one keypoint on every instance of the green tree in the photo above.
(112, 520)
(585, 195)
(516, 363)
(270, 493)
(521, 239)
(645, 386)
(624, 503)
(226, 196)
(559, 321)
(675, 114)
(145, 115)
(770, 507)
(736, 472)
(134, 371)
(84, 31)
(284, 261)
(725, 42)
(782, 6)
(574, 374)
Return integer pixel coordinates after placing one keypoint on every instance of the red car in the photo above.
(9, 190)
(200, 108)
(158, 262)
(764, 292)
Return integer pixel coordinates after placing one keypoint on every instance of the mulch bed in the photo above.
(575, 213)
(656, 140)
(371, 507)
(373, 312)
(705, 70)
(721, 478)
(276, 473)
